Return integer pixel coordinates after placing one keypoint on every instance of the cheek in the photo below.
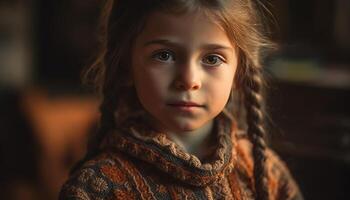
(221, 89)
(150, 86)
(222, 93)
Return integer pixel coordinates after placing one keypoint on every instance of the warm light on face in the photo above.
(183, 70)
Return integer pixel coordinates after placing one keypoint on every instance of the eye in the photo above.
(213, 60)
(164, 56)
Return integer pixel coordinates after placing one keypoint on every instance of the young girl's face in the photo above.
(183, 70)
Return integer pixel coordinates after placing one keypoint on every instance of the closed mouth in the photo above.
(184, 104)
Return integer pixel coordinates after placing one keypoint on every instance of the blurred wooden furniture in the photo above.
(61, 124)
(313, 136)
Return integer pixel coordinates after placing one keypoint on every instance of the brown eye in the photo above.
(164, 56)
(213, 60)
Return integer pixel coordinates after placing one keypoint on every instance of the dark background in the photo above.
(45, 112)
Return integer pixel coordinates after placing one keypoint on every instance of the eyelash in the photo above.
(159, 53)
(218, 58)
(171, 54)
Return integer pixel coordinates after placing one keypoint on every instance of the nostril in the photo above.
(187, 80)
(179, 85)
(196, 87)
(187, 86)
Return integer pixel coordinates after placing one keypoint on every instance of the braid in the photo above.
(107, 123)
(254, 109)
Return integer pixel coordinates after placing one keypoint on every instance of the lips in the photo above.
(184, 104)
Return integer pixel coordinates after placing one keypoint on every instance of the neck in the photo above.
(195, 142)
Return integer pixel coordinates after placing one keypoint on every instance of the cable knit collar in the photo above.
(158, 150)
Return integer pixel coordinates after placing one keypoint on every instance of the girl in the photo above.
(170, 73)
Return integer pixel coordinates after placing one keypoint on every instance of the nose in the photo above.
(188, 77)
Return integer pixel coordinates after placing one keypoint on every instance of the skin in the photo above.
(184, 57)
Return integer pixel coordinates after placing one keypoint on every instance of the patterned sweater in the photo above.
(138, 164)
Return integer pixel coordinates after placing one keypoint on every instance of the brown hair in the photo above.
(122, 21)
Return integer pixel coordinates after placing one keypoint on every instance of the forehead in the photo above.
(187, 27)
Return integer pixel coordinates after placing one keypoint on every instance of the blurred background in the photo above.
(46, 115)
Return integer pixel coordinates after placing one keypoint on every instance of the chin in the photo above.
(185, 127)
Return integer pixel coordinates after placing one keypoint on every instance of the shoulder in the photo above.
(281, 183)
(103, 176)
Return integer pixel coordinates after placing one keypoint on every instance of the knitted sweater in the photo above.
(138, 164)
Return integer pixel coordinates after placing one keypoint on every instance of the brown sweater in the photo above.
(147, 165)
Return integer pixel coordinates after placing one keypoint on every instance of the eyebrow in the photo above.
(174, 44)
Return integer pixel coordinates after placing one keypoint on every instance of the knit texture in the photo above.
(137, 163)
